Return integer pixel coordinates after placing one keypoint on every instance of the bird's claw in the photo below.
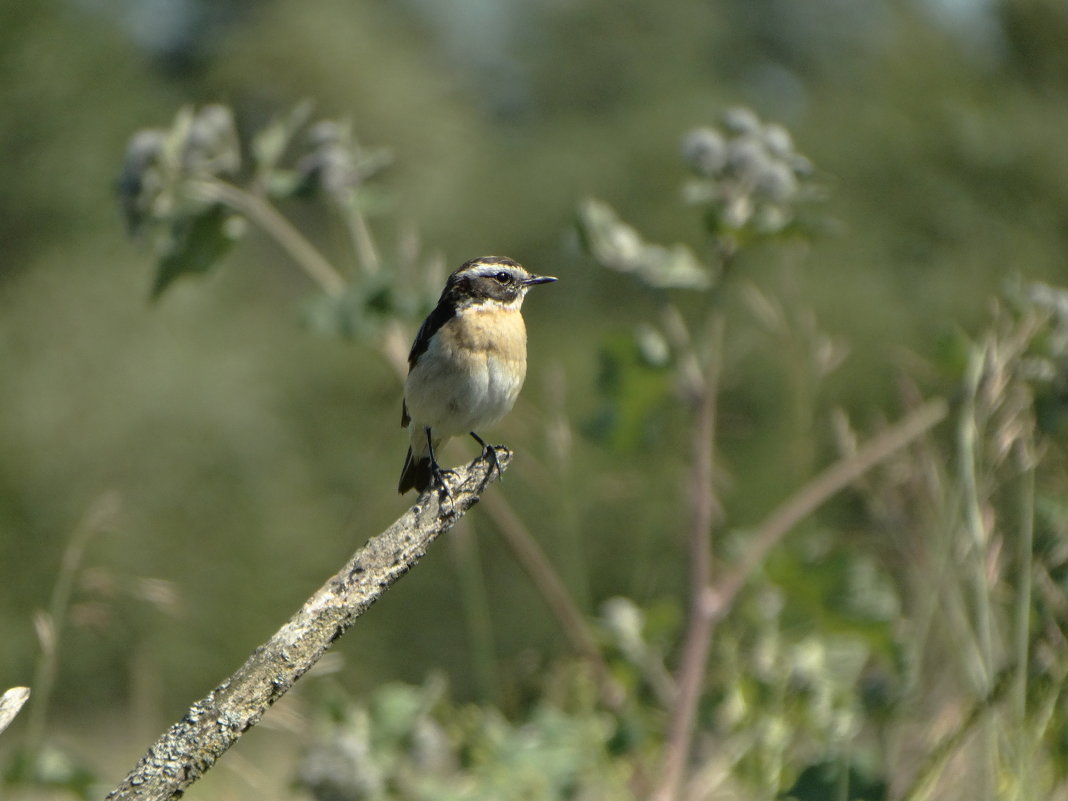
(488, 452)
(439, 474)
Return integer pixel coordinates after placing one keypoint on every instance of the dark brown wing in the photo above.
(443, 312)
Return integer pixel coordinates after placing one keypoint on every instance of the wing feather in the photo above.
(443, 312)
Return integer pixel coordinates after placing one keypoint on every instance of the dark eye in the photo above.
(503, 278)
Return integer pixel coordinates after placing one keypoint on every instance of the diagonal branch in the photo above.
(713, 603)
(213, 724)
(818, 491)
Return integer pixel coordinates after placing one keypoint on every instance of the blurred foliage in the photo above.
(52, 769)
(618, 246)
(772, 707)
(179, 186)
(862, 657)
(410, 742)
(195, 233)
(636, 383)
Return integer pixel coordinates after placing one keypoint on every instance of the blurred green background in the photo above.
(244, 457)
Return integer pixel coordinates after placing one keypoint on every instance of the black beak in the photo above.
(538, 279)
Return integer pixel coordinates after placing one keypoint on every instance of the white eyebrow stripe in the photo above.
(490, 270)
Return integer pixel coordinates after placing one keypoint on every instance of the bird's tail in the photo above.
(418, 470)
(416, 473)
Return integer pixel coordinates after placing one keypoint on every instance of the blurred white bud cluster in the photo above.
(747, 173)
(335, 164)
(192, 189)
(199, 145)
(167, 173)
(210, 146)
(1048, 363)
(620, 247)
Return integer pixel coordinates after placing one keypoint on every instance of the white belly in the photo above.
(466, 380)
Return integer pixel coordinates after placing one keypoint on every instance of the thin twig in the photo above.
(1024, 755)
(969, 453)
(974, 522)
(481, 650)
(940, 753)
(818, 491)
(363, 242)
(193, 744)
(711, 603)
(697, 639)
(50, 624)
(545, 578)
(1022, 622)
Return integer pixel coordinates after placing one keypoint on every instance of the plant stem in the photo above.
(1023, 593)
(274, 224)
(697, 639)
(540, 570)
(362, 240)
(816, 492)
(50, 624)
(1025, 755)
(968, 455)
(941, 753)
(464, 546)
(968, 436)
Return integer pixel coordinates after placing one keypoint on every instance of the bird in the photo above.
(467, 363)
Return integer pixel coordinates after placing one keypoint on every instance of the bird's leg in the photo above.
(490, 452)
(435, 469)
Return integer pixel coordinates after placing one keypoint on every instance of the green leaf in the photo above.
(395, 710)
(635, 390)
(357, 313)
(281, 184)
(620, 247)
(824, 780)
(211, 145)
(840, 593)
(195, 244)
(269, 146)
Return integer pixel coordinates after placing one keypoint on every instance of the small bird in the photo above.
(467, 363)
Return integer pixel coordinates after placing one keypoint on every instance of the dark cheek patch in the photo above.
(487, 287)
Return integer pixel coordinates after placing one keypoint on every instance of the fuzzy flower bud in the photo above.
(778, 140)
(211, 145)
(704, 151)
(741, 120)
(139, 179)
(776, 182)
(746, 158)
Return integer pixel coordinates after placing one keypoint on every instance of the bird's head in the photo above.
(492, 278)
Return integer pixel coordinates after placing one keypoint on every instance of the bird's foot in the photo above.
(438, 473)
(488, 452)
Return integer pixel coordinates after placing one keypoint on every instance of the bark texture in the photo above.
(213, 724)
